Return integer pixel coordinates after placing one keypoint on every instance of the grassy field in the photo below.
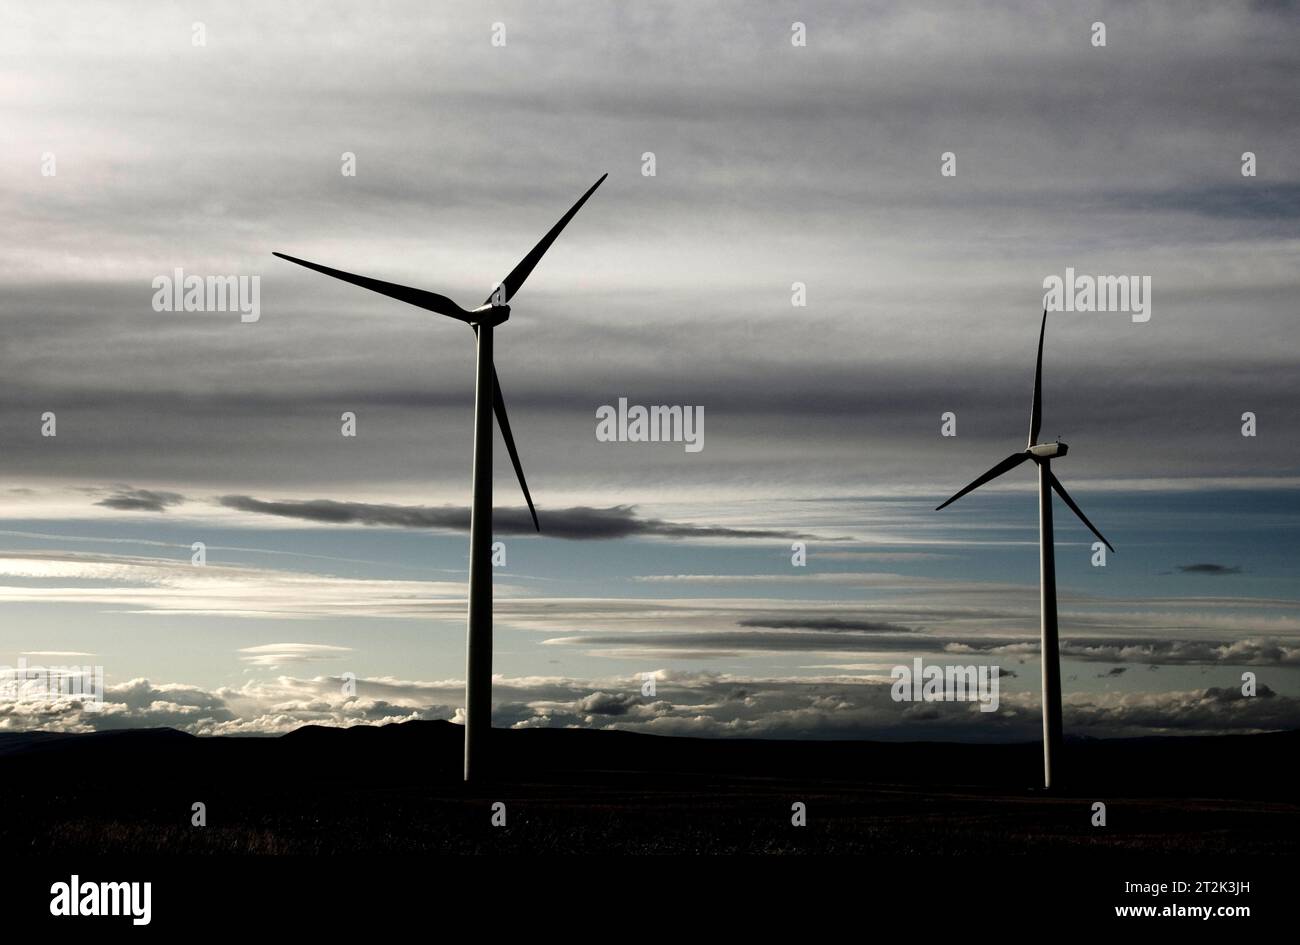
(396, 790)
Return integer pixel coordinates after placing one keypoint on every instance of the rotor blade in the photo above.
(1036, 414)
(499, 408)
(1060, 490)
(512, 282)
(431, 301)
(1011, 462)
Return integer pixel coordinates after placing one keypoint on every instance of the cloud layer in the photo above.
(701, 704)
(775, 165)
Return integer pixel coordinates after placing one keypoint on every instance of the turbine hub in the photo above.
(1048, 450)
(490, 314)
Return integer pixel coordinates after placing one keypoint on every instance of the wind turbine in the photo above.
(1042, 454)
(487, 390)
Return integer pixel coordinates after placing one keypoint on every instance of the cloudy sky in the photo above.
(127, 152)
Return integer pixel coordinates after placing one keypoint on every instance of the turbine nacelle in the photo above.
(1047, 450)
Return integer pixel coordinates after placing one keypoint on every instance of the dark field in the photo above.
(396, 789)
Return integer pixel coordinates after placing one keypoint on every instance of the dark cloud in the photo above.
(789, 635)
(141, 500)
(1279, 202)
(716, 643)
(1247, 652)
(824, 623)
(1207, 568)
(576, 523)
(605, 704)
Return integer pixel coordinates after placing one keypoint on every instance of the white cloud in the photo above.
(158, 586)
(275, 654)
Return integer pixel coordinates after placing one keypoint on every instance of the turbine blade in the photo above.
(431, 301)
(499, 408)
(1036, 413)
(1011, 462)
(512, 282)
(1060, 490)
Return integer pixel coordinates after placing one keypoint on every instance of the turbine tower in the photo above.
(487, 401)
(1042, 455)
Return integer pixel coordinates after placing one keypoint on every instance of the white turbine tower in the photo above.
(487, 401)
(1042, 454)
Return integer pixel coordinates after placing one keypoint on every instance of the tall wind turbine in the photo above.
(487, 390)
(1042, 454)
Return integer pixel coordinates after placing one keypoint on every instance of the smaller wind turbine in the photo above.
(1042, 454)
(487, 401)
